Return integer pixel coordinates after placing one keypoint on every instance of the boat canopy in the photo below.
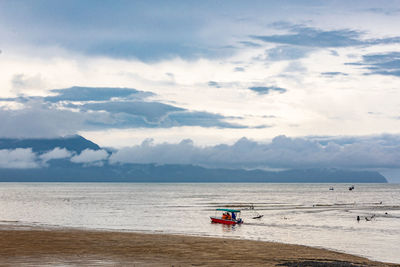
(229, 210)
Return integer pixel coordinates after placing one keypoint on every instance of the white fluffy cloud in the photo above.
(56, 153)
(25, 158)
(19, 158)
(89, 156)
(282, 152)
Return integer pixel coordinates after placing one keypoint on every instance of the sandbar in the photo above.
(35, 246)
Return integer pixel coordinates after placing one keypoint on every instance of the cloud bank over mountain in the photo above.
(366, 153)
(281, 153)
(285, 159)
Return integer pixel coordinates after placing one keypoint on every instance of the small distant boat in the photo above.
(229, 216)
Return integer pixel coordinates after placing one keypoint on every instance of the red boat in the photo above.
(229, 216)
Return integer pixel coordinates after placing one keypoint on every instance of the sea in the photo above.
(306, 214)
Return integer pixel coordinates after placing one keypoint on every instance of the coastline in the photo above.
(27, 246)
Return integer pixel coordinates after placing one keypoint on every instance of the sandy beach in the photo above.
(23, 246)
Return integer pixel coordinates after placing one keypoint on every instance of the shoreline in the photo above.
(27, 246)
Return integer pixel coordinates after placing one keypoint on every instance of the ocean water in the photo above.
(307, 214)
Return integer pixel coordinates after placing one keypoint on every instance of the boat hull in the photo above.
(219, 220)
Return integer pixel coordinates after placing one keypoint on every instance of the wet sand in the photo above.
(21, 246)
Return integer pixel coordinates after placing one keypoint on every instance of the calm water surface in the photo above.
(308, 214)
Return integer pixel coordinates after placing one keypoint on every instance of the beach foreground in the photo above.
(23, 246)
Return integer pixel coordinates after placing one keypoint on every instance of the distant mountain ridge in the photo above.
(63, 170)
(75, 143)
(66, 171)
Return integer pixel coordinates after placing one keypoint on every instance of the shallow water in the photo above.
(308, 214)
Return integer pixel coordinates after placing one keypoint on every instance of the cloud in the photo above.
(37, 119)
(147, 50)
(250, 44)
(106, 29)
(383, 11)
(264, 90)
(91, 157)
(312, 37)
(25, 158)
(183, 153)
(334, 53)
(56, 153)
(282, 152)
(22, 82)
(98, 108)
(303, 36)
(334, 73)
(151, 111)
(381, 63)
(78, 93)
(57, 46)
(286, 52)
(198, 118)
(190, 31)
(173, 119)
(153, 114)
(214, 84)
(239, 69)
(20, 158)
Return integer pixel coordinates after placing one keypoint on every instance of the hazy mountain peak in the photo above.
(74, 143)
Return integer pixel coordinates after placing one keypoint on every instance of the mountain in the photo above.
(63, 170)
(66, 171)
(39, 145)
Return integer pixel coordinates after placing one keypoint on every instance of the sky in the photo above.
(292, 83)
